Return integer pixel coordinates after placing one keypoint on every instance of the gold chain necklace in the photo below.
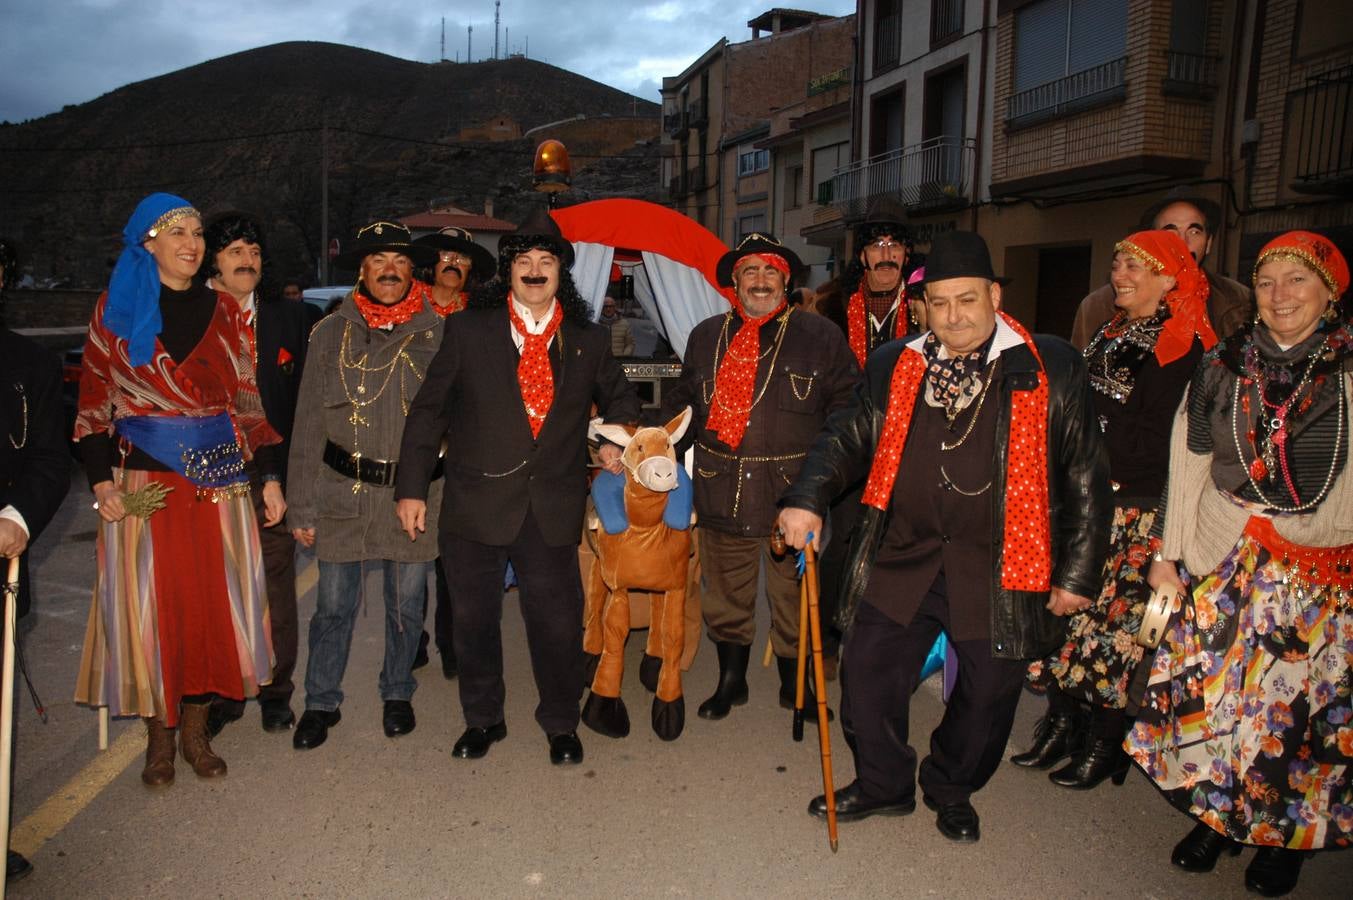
(358, 399)
(977, 411)
(774, 349)
(23, 436)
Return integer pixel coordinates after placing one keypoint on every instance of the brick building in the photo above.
(717, 122)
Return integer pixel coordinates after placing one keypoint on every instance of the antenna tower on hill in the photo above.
(497, 5)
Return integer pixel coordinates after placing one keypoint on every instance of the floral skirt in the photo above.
(1247, 723)
(1101, 652)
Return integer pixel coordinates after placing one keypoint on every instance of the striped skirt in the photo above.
(179, 607)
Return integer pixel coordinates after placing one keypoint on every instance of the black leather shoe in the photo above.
(276, 715)
(1199, 849)
(732, 689)
(852, 805)
(566, 749)
(1055, 737)
(956, 821)
(1104, 758)
(398, 718)
(1273, 872)
(788, 668)
(17, 867)
(475, 742)
(221, 713)
(313, 729)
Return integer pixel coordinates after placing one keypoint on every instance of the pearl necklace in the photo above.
(1334, 457)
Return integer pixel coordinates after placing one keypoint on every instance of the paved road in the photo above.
(718, 813)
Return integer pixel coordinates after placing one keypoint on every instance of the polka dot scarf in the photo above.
(534, 375)
(857, 325)
(1026, 558)
(731, 406)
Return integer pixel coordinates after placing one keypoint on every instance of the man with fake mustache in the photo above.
(366, 362)
(761, 379)
(510, 394)
(281, 333)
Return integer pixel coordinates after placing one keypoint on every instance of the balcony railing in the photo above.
(1190, 74)
(697, 113)
(933, 173)
(1324, 162)
(1081, 90)
(946, 20)
(674, 123)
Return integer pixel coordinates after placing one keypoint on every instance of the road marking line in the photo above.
(57, 811)
(45, 822)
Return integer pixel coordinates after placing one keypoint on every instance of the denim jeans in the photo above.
(339, 596)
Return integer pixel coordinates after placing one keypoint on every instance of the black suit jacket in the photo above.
(280, 325)
(35, 474)
(495, 469)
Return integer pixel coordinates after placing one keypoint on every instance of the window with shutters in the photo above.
(1069, 55)
(887, 35)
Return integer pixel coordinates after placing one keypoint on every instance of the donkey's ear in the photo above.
(620, 435)
(677, 427)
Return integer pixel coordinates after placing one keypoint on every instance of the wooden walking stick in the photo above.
(808, 609)
(7, 705)
(820, 682)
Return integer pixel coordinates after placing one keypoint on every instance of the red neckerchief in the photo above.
(731, 406)
(857, 324)
(454, 306)
(1026, 557)
(378, 315)
(534, 375)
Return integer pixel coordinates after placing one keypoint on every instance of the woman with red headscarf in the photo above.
(1140, 363)
(1247, 723)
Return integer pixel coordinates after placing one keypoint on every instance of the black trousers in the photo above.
(550, 593)
(880, 670)
(441, 601)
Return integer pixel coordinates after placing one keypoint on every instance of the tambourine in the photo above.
(1156, 616)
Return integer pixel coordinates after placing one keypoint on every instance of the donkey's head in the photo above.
(649, 455)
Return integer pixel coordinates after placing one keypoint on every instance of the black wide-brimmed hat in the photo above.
(756, 242)
(884, 215)
(458, 240)
(384, 236)
(537, 232)
(1209, 208)
(959, 254)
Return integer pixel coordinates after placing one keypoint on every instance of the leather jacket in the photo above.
(1079, 494)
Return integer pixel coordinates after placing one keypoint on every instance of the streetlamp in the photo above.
(552, 172)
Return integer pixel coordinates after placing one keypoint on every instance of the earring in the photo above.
(1331, 313)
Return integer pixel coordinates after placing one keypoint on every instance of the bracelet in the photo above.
(272, 477)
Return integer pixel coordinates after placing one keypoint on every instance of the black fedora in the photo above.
(756, 242)
(384, 236)
(458, 240)
(884, 215)
(959, 254)
(1209, 208)
(537, 232)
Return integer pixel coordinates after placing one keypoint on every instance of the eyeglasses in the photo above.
(887, 243)
(453, 258)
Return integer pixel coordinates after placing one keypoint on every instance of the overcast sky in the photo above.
(58, 52)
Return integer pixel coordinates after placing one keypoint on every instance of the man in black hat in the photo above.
(986, 518)
(364, 366)
(761, 379)
(460, 263)
(281, 333)
(34, 460)
(1195, 219)
(510, 394)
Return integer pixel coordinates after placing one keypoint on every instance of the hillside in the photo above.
(247, 130)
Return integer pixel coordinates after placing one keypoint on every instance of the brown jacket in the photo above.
(1228, 306)
(736, 491)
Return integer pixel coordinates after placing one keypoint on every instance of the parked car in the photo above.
(325, 299)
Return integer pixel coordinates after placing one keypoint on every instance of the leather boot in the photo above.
(732, 689)
(789, 674)
(1057, 734)
(1274, 871)
(1100, 757)
(159, 768)
(194, 743)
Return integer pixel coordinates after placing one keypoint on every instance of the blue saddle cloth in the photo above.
(608, 496)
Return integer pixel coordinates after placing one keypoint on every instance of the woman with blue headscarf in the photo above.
(169, 412)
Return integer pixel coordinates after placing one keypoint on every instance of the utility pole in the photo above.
(469, 43)
(324, 200)
(497, 4)
(443, 56)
